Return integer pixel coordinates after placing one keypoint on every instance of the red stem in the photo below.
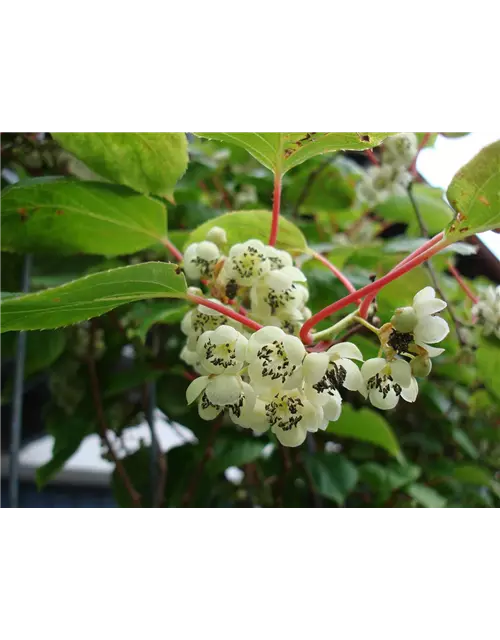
(423, 142)
(343, 279)
(173, 249)
(470, 294)
(372, 156)
(363, 310)
(226, 312)
(365, 291)
(276, 208)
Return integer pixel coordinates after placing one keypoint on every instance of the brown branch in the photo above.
(101, 419)
(207, 454)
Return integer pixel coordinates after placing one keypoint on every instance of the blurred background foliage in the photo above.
(441, 451)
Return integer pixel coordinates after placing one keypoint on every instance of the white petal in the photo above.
(353, 379)
(427, 293)
(294, 274)
(224, 334)
(314, 367)
(293, 437)
(208, 250)
(431, 329)
(195, 388)
(373, 366)
(186, 326)
(261, 337)
(410, 393)
(189, 357)
(315, 397)
(333, 408)
(428, 307)
(378, 400)
(224, 389)
(295, 380)
(401, 372)
(240, 348)
(209, 413)
(346, 350)
(255, 418)
(432, 352)
(294, 349)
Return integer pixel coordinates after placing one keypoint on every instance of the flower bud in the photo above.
(194, 291)
(421, 366)
(404, 319)
(217, 235)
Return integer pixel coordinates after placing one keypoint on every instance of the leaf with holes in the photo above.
(243, 225)
(282, 151)
(366, 425)
(474, 193)
(67, 216)
(92, 296)
(146, 162)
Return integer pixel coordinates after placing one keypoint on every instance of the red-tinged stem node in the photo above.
(365, 291)
(372, 156)
(226, 312)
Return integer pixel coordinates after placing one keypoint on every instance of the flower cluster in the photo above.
(267, 379)
(391, 177)
(487, 311)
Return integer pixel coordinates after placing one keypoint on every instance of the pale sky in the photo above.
(438, 165)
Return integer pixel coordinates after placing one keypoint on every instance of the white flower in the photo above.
(246, 262)
(222, 350)
(217, 235)
(217, 393)
(386, 381)
(278, 258)
(197, 321)
(325, 373)
(291, 416)
(200, 259)
(400, 150)
(429, 328)
(254, 418)
(487, 310)
(381, 182)
(275, 359)
(278, 291)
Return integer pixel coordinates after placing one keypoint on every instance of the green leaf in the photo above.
(463, 441)
(42, 349)
(243, 225)
(386, 479)
(474, 193)
(333, 476)
(426, 496)
(435, 212)
(92, 296)
(366, 425)
(234, 450)
(67, 216)
(472, 474)
(68, 432)
(282, 151)
(146, 162)
(487, 359)
(161, 313)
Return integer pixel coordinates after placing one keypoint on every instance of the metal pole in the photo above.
(150, 418)
(17, 400)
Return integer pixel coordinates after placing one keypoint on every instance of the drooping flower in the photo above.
(388, 380)
(254, 418)
(216, 393)
(325, 373)
(400, 150)
(200, 259)
(291, 415)
(487, 311)
(247, 261)
(201, 319)
(275, 359)
(279, 292)
(222, 350)
(278, 258)
(381, 182)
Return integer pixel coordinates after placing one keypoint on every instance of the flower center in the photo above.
(248, 263)
(283, 412)
(205, 266)
(383, 383)
(400, 342)
(277, 299)
(275, 361)
(332, 380)
(220, 355)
